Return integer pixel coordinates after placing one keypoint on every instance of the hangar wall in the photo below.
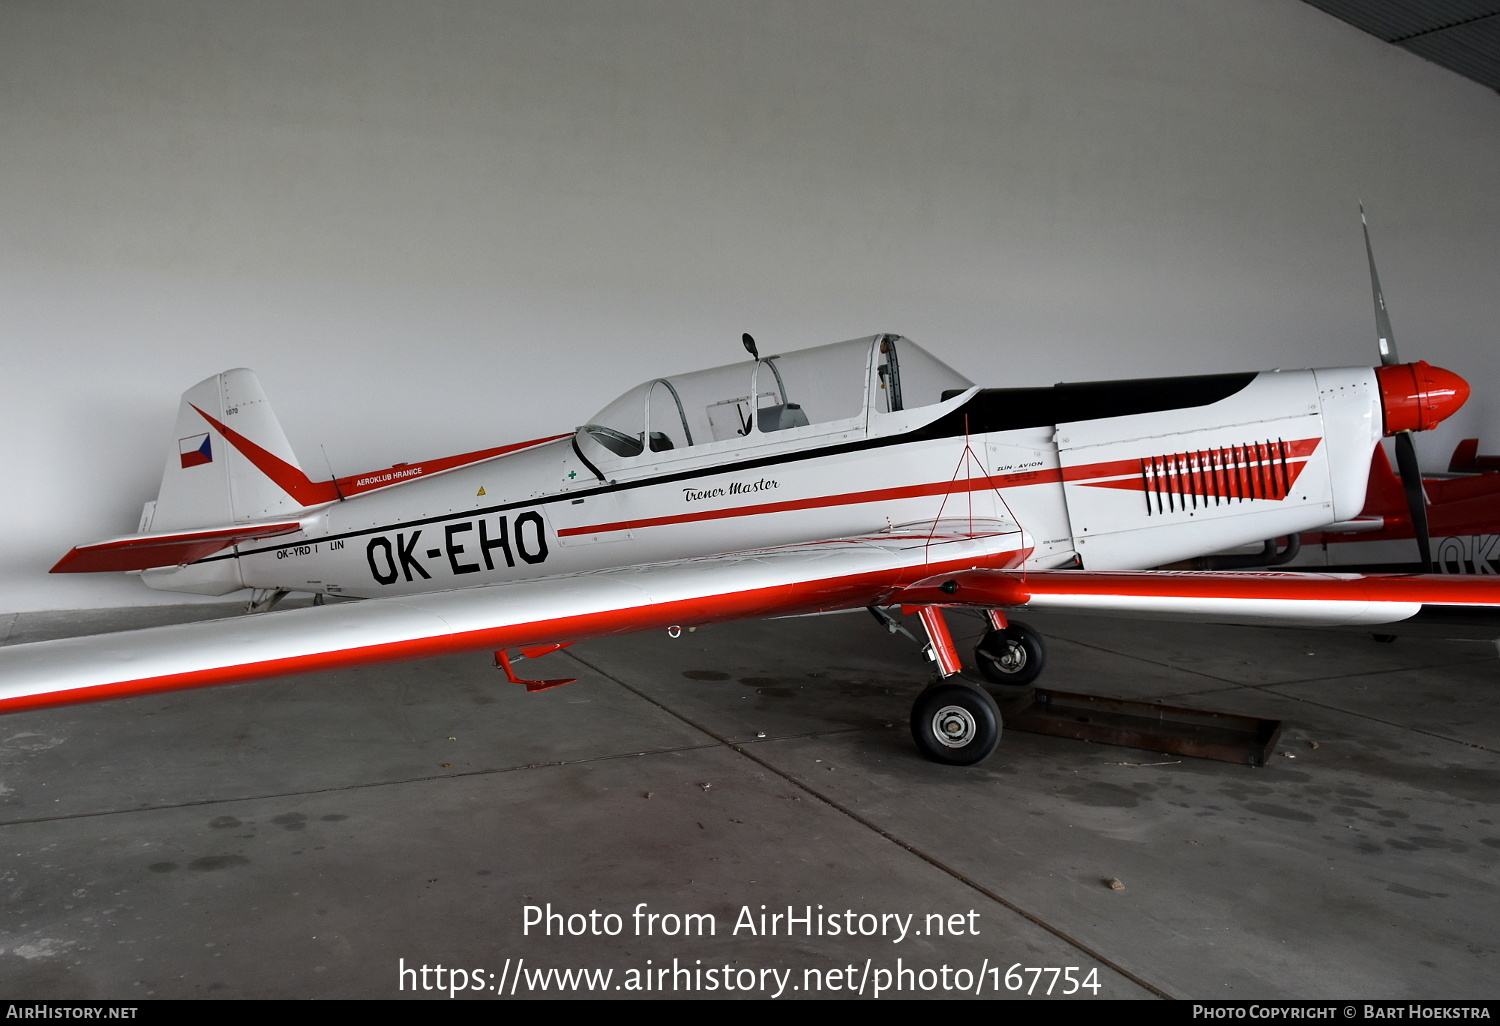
(442, 226)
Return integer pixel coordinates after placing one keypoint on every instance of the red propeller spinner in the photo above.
(1417, 396)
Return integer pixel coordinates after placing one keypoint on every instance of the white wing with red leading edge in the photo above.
(792, 579)
(898, 567)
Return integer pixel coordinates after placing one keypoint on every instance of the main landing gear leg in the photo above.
(953, 721)
(1010, 653)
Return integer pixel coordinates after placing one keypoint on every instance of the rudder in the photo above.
(229, 462)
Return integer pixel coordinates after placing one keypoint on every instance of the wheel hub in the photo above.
(1012, 657)
(953, 726)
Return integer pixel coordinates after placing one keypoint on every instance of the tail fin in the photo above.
(230, 461)
(1466, 459)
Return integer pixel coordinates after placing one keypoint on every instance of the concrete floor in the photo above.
(309, 837)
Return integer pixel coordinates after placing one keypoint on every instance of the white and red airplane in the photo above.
(863, 473)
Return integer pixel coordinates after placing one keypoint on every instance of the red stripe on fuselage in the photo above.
(817, 502)
(1083, 474)
(1247, 469)
(307, 492)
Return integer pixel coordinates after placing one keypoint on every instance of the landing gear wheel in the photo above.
(955, 723)
(1013, 656)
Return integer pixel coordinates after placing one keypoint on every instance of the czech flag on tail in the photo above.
(195, 451)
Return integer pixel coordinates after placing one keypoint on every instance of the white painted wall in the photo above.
(437, 226)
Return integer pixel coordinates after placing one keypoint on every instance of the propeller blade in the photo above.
(1387, 338)
(1416, 498)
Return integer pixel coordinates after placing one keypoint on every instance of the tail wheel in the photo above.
(1014, 656)
(955, 723)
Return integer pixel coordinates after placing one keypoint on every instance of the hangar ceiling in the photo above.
(1460, 35)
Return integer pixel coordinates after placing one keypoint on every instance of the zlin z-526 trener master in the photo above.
(863, 473)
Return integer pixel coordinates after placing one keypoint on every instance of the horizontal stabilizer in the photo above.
(173, 548)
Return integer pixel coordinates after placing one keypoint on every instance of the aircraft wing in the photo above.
(1268, 598)
(895, 568)
(688, 592)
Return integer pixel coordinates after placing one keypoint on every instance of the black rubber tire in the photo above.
(955, 723)
(1013, 657)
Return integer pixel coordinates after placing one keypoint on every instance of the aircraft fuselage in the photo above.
(1107, 476)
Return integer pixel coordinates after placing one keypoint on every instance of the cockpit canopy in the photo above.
(834, 387)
